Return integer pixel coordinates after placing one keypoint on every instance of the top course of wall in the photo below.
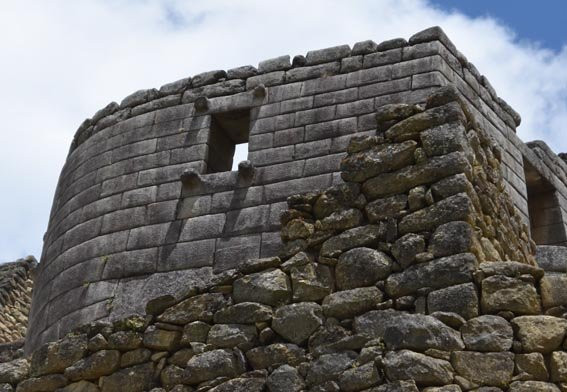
(123, 227)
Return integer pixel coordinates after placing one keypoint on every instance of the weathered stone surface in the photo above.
(359, 378)
(213, 364)
(558, 366)
(50, 382)
(81, 386)
(311, 282)
(161, 339)
(56, 356)
(125, 340)
(243, 313)
(253, 384)
(454, 208)
(443, 272)
(353, 238)
(14, 371)
(271, 287)
(490, 369)
(232, 335)
(275, 354)
(395, 112)
(451, 238)
(285, 379)
(297, 229)
(137, 378)
(553, 289)
(512, 269)
(533, 365)
(197, 308)
(397, 386)
(328, 367)
(542, 334)
(341, 220)
(444, 139)
(487, 333)
(502, 293)
(380, 159)
(426, 172)
(387, 207)
(101, 363)
(406, 248)
(424, 370)
(411, 127)
(408, 331)
(296, 322)
(196, 331)
(529, 386)
(552, 258)
(349, 303)
(361, 267)
(461, 299)
(135, 357)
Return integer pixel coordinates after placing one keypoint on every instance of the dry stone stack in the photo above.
(389, 232)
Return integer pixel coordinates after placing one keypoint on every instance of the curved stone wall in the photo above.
(397, 280)
(123, 227)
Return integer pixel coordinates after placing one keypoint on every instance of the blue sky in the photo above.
(63, 60)
(542, 22)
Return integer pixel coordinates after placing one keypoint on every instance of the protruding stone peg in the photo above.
(202, 104)
(190, 177)
(259, 91)
(246, 169)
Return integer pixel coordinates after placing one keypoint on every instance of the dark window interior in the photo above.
(227, 130)
(546, 221)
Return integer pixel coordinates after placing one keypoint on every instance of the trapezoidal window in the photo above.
(546, 222)
(228, 140)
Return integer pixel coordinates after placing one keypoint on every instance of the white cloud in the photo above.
(63, 60)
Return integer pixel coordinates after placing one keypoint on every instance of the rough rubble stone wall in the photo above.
(15, 299)
(123, 228)
(395, 281)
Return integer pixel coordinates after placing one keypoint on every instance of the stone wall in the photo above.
(16, 283)
(415, 274)
(124, 228)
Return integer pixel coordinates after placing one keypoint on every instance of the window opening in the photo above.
(228, 140)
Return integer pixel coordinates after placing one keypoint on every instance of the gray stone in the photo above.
(502, 293)
(364, 47)
(490, 369)
(244, 313)
(397, 386)
(353, 238)
(271, 287)
(198, 308)
(382, 158)
(137, 378)
(552, 258)
(438, 273)
(311, 281)
(101, 363)
(209, 77)
(197, 331)
(350, 303)
(487, 333)
(212, 364)
(285, 379)
(359, 378)
(125, 340)
(176, 87)
(138, 97)
(558, 366)
(460, 299)
(512, 269)
(135, 357)
(361, 267)
(14, 371)
(341, 220)
(242, 72)
(54, 357)
(424, 370)
(280, 63)
(161, 339)
(453, 208)
(328, 54)
(275, 355)
(50, 382)
(451, 238)
(431, 170)
(529, 386)
(232, 335)
(532, 364)
(406, 248)
(81, 386)
(553, 289)
(401, 330)
(387, 207)
(444, 139)
(252, 384)
(296, 322)
(328, 367)
(542, 334)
